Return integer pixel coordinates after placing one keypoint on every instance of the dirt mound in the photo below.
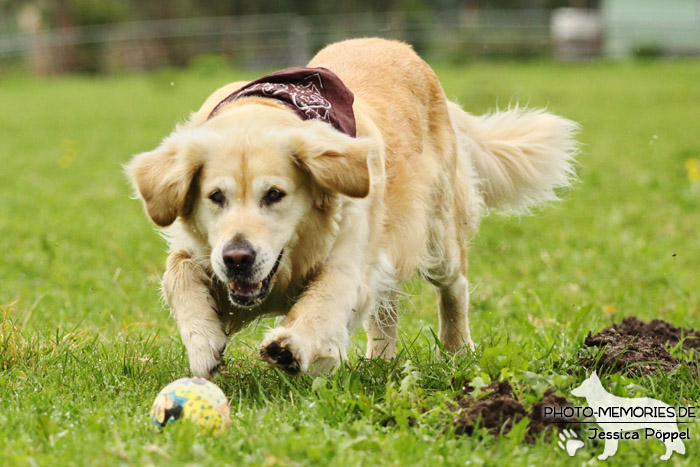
(540, 419)
(632, 346)
(498, 411)
(637, 347)
(661, 331)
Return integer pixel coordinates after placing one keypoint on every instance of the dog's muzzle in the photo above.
(244, 293)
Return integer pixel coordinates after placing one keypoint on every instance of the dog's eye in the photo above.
(273, 195)
(217, 197)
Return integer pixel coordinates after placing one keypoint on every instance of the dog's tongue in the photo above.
(245, 288)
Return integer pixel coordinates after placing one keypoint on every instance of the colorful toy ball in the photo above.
(194, 399)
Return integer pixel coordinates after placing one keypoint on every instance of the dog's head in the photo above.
(587, 386)
(244, 181)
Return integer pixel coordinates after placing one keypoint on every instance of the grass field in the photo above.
(86, 343)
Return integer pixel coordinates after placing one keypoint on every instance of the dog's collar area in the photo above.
(313, 93)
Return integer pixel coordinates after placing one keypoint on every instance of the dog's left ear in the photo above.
(163, 178)
(336, 161)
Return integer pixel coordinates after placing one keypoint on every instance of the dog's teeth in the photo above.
(259, 286)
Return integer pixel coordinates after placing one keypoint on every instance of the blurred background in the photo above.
(86, 342)
(98, 36)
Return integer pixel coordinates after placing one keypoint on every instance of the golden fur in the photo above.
(360, 215)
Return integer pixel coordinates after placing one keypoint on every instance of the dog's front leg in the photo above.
(609, 450)
(316, 331)
(186, 290)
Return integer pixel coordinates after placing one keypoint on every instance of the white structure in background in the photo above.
(29, 22)
(653, 27)
(576, 34)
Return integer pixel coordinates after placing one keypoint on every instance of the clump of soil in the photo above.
(541, 421)
(632, 346)
(661, 331)
(498, 411)
(637, 347)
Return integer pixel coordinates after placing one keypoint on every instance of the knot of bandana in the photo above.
(313, 93)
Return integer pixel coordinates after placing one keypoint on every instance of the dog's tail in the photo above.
(520, 156)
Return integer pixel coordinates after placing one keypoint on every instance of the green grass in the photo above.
(86, 343)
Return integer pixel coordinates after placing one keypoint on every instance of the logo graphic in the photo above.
(622, 417)
(570, 442)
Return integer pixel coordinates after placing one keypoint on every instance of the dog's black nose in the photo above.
(239, 258)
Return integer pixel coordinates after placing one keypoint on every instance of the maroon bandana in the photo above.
(313, 93)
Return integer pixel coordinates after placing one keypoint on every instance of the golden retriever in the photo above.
(267, 213)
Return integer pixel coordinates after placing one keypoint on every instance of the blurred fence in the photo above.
(281, 40)
(275, 40)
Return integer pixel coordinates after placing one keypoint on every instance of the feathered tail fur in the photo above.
(521, 157)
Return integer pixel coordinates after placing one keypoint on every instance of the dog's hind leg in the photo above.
(453, 221)
(448, 274)
(673, 446)
(382, 329)
(453, 302)
(609, 450)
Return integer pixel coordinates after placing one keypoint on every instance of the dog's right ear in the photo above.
(337, 162)
(163, 178)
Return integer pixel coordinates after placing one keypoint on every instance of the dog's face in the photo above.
(249, 202)
(584, 389)
(243, 183)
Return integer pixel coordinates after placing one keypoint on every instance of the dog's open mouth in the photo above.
(245, 293)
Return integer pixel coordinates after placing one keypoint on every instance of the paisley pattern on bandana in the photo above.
(313, 93)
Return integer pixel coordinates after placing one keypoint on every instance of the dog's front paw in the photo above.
(283, 348)
(287, 350)
(206, 354)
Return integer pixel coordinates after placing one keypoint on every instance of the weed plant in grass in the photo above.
(86, 343)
